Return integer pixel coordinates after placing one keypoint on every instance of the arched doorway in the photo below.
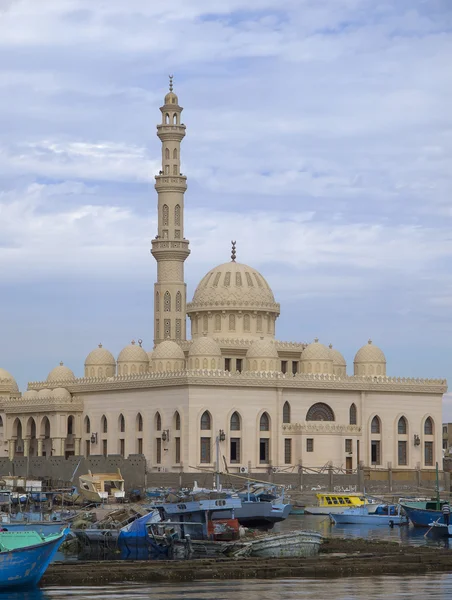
(31, 442)
(18, 437)
(45, 440)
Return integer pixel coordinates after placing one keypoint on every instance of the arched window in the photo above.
(87, 425)
(122, 424)
(70, 425)
(231, 322)
(175, 119)
(205, 323)
(401, 426)
(264, 424)
(206, 421)
(178, 302)
(375, 426)
(167, 119)
(177, 215)
(165, 215)
(235, 422)
(352, 415)
(158, 422)
(246, 323)
(167, 154)
(428, 426)
(104, 424)
(177, 421)
(139, 422)
(175, 154)
(217, 323)
(320, 412)
(286, 413)
(167, 302)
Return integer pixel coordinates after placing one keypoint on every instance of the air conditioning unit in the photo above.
(243, 469)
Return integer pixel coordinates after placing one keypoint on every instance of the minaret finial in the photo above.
(233, 253)
(171, 83)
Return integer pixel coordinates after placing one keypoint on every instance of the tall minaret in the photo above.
(170, 248)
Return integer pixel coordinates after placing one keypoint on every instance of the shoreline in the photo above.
(337, 558)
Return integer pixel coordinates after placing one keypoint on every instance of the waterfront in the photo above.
(429, 587)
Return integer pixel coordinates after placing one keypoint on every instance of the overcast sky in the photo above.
(319, 136)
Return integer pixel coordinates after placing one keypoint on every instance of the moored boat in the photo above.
(25, 556)
(283, 545)
(101, 487)
(360, 516)
(336, 503)
(423, 516)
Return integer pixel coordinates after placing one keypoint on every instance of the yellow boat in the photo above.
(336, 503)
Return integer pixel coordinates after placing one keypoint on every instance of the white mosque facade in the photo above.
(265, 404)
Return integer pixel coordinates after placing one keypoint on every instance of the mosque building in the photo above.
(267, 404)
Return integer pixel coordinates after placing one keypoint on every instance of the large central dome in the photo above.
(233, 300)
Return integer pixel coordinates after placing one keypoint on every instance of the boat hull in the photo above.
(284, 545)
(257, 513)
(43, 527)
(379, 520)
(422, 517)
(24, 567)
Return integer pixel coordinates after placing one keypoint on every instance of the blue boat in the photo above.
(359, 515)
(42, 527)
(423, 516)
(25, 556)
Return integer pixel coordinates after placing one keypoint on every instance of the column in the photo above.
(26, 446)
(77, 442)
(40, 446)
(11, 449)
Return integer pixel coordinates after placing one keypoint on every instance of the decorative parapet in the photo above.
(42, 404)
(246, 343)
(250, 379)
(273, 307)
(316, 427)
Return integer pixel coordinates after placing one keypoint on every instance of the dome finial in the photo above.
(61, 363)
(369, 341)
(140, 343)
(233, 253)
(171, 83)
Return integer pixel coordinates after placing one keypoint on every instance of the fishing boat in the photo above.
(336, 503)
(422, 514)
(360, 516)
(42, 527)
(25, 556)
(101, 487)
(284, 545)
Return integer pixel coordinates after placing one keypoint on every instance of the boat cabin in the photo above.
(341, 500)
(101, 487)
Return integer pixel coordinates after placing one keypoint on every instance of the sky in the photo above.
(319, 136)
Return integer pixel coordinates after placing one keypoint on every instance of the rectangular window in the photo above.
(284, 366)
(104, 447)
(122, 447)
(205, 449)
(402, 453)
(140, 446)
(235, 450)
(87, 448)
(428, 454)
(310, 445)
(348, 446)
(158, 451)
(264, 450)
(294, 367)
(227, 364)
(238, 365)
(288, 451)
(177, 449)
(375, 452)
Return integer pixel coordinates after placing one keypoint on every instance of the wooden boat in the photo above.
(283, 545)
(101, 487)
(422, 514)
(25, 556)
(360, 516)
(336, 503)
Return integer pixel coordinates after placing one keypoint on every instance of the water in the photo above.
(429, 587)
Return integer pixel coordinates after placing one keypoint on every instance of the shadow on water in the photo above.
(32, 594)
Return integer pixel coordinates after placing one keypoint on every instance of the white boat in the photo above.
(102, 487)
(332, 503)
(361, 516)
(280, 545)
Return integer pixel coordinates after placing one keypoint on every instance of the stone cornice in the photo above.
(273, 307)
(320, 427)
(246, 343)
(42, 405)
(250, 379)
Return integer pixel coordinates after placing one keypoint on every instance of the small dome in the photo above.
(61, 394)
(29, 394)
(5, 376)
(133, 353)
(205, 346)
(168, 350)
(370, 354)
(337, 357)
(316, 351)
(45, 393)
(263, 348)
(171, 98)
(60, 373)
(100, 356)
(150, 355)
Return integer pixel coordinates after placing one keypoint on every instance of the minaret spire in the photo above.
(170, 248)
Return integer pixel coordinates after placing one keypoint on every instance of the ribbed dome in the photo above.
(205, 346)
(316, 351)
(60, 373)
(370, 354)
(233, 285)
(133, 353)
(10, 379)
(263, 348)
(337, 357)
(168, 350)
(100, 357)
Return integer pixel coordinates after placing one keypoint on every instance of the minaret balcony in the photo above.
(166, 249)
(170, 183)
(171, 133)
